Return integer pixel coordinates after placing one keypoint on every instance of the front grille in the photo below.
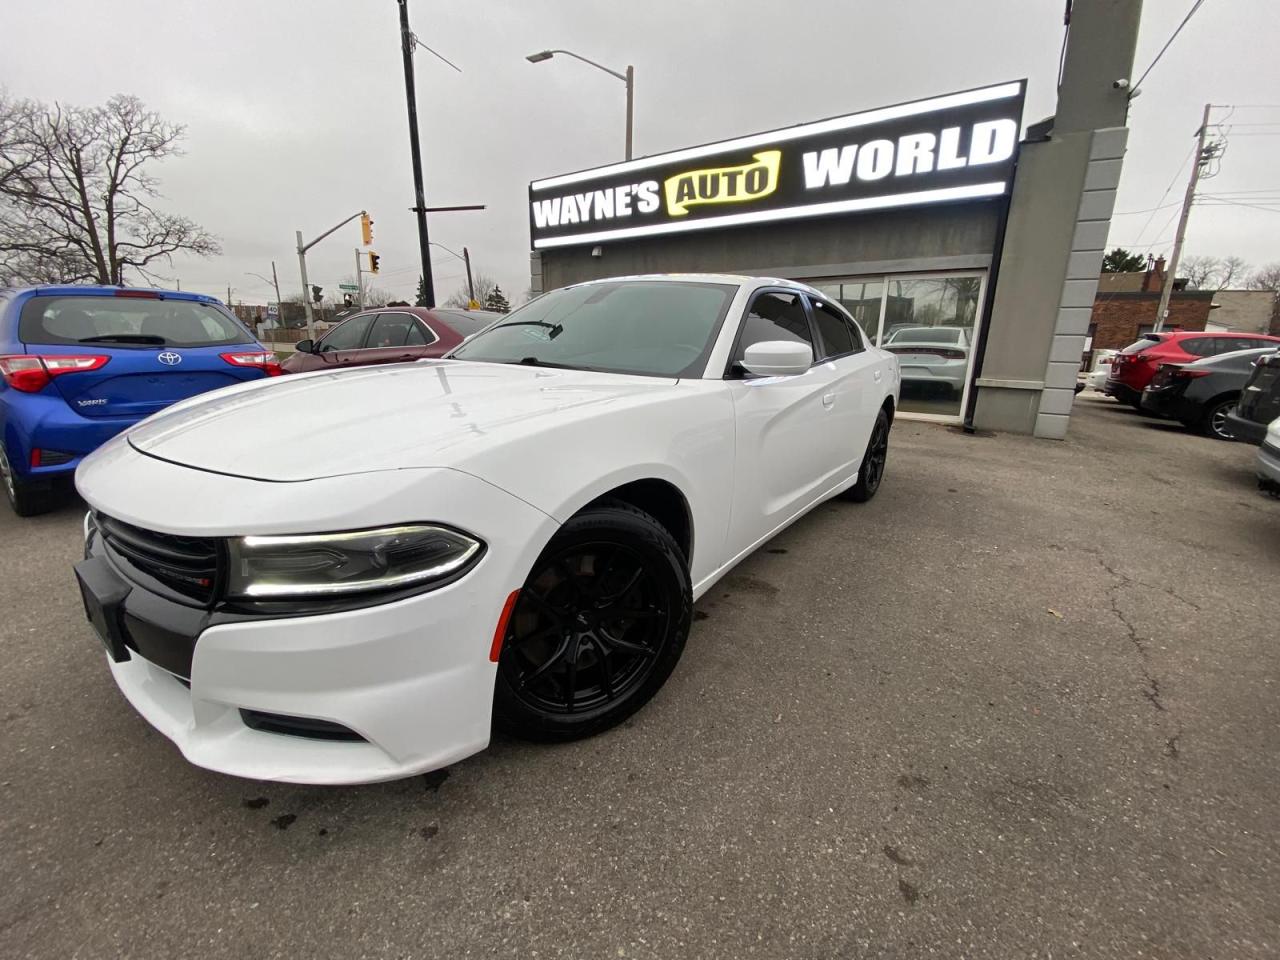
(189, 565)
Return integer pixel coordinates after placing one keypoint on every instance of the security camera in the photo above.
(597, 251)
(1121, 84)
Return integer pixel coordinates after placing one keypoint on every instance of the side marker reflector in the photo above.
(500, 634)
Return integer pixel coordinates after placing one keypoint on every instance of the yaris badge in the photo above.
(169, 358)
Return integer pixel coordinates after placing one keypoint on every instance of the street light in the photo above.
(465, 257)
(629, 78)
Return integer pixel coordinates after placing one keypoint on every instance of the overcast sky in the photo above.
(296, 116)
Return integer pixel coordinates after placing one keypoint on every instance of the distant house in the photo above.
(1126, 304)
(1244, 311)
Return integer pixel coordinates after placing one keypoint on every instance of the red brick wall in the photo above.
(1119, 315)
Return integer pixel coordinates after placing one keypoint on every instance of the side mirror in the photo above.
(305, 346)
(778, 358)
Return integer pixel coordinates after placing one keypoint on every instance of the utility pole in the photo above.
(471, 287)
(228, 296)
(407, 42)
(1171, 271)
(359, 282)
(631, 89)
(306, 288)
(275, 281)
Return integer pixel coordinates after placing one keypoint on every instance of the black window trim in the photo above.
(435, 337)
(860, 345)
(729, 372)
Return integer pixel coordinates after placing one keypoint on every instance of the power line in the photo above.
(1133, 213)
(1190, 153)
(1190, 13)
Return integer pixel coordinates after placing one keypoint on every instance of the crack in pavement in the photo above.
(1152, 689)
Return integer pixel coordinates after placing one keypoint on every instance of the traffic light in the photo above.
(315, 293)
(373, 262)
(366, 229)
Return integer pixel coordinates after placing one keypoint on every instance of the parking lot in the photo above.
(1024, 703)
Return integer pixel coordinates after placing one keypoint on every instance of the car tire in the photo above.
(871, 472)
(26, 499)
(598, 626)
(1214, 422)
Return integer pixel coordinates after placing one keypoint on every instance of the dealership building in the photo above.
(964, 242)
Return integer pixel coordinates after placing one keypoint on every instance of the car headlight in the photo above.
(335, 564)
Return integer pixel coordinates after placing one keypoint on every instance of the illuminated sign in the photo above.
(955, 147)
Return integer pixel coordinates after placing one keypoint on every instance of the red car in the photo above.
(1134, 366)
(388, 335)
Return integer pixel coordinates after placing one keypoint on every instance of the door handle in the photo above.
(828, 400)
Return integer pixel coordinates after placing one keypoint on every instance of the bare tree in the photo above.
(76, 193)
(1200, 271)
(1265, 278)
(1233, 268)
(462, 296)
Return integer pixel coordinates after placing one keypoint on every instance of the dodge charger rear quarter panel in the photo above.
(604, 455)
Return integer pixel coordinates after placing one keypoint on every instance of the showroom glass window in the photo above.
(930, 321)
(774, 316)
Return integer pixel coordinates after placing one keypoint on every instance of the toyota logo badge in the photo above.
(169, 358)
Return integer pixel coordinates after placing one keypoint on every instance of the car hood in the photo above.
(427, 414)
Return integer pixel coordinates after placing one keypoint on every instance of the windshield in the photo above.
(127, 322)
(925, 335)
(466, 322)
(655, 328)
(1139, 345)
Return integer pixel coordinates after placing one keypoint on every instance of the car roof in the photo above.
(101, 290)
(734, 279)
(1228, 334)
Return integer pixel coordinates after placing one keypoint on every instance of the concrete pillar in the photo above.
(1059, 217)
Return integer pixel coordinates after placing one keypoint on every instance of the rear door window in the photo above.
(837, 333)
(128, 322)
(391, 330)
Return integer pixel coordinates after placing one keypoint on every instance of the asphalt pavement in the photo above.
(1022, 704)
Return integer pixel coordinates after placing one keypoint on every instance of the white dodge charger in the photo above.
(343, 577)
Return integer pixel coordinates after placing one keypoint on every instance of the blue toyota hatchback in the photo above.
(81, 363)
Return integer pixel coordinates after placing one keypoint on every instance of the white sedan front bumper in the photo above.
(413, 678)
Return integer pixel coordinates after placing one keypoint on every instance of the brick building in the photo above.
(1126, 304)
(1118, 319)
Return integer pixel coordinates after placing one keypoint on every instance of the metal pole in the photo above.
(420, 208)
(275, 280)
(359, 282)
(631, 90)
(306, 289)
(471, 287)
(1171, 270)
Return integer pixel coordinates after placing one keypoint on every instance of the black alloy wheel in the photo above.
(871, 473)
(1215, 423)
(599, 625)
